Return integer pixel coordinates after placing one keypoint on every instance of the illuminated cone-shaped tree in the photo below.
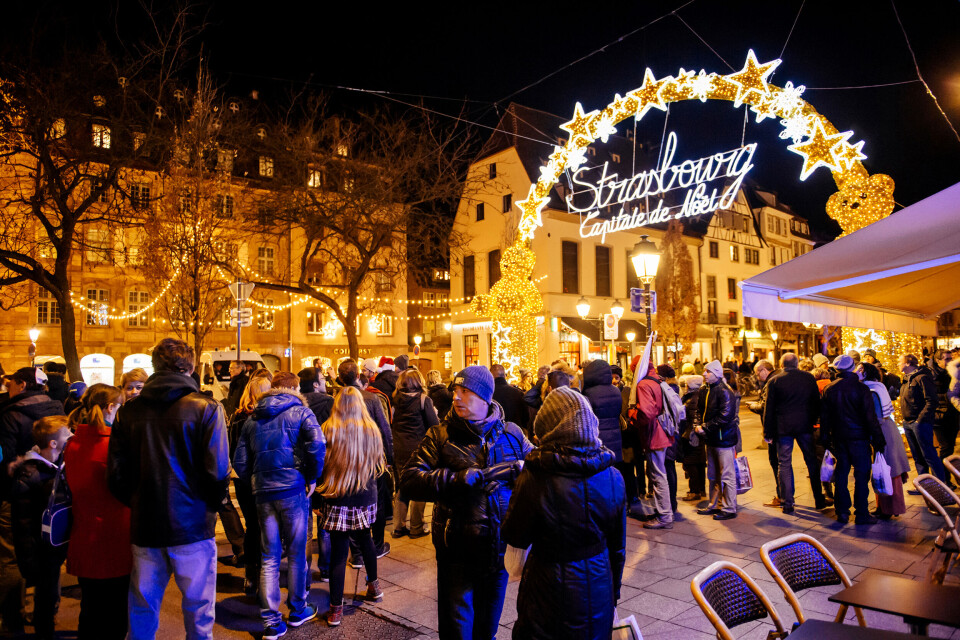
(677, 313)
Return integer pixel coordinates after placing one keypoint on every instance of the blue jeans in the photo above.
(925, 456)
(194, 568)
(856, 454)
(785, 468)
(283, 528)
(470, 600)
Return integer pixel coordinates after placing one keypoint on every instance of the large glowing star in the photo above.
(752, 79)
(817, 150)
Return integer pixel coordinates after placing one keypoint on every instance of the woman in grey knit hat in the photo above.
(568, 506)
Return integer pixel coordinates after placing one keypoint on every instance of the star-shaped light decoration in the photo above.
(702, 85)
(817, 151)
(683, 81)
(579, 127)
(752, 78)
(649, 95)
(849, 154)
(764, 109)
(501, 333)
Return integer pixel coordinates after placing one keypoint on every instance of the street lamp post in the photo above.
(646, 260)
(583, 309)
(34, 334)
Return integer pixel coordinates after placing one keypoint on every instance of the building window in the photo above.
(314, 178)
(384, 325)
(493, 170)
(615, 157)
(266, 167)
(507, 202)
(137, 301)
(471, 350)
(225, 206)
(101, 136)
(140, 195)
(732, 318)
(469, 278)
(603, 270)
(48, 308)
(714, 249)
(711, 312)
(592, 152)
(711, 286)
(571, 267)
(751, 256)
(384, 282)
(747, 323)
(265, 260)
(225, 161)
(732, 288)
(479, 211)
(771, 225)
(429, 299)
(97, 302)
(493, 267)
(314, 321)
(570, 348)
(98, 244)
(265, 319)
(773, 256)
(734, 253)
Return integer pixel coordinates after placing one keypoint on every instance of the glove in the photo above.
(503, 472)
(469, 479)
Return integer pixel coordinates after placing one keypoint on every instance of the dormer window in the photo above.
(101, 136)
(266, 167)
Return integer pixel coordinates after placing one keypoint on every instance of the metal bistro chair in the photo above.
(799, 562)
(952, 464)
(729, 597)
(939, 496)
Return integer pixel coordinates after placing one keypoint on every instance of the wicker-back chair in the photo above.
(729, 597)
(799, 562)
(939, 497)
(952, 464)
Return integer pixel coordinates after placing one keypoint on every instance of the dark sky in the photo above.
(487, 52)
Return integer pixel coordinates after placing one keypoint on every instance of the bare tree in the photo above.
(677, 314)
(369, 199)
(72, 127)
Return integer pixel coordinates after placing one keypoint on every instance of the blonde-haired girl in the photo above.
(348, 486)
(258, 385)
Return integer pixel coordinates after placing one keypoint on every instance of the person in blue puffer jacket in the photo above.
(281, 449)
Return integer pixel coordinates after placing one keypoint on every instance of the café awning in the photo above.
(897, 274)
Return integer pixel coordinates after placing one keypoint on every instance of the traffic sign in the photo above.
(244, 322)
(638, 300)
(241, 290)
(611, 326)
(242, 312)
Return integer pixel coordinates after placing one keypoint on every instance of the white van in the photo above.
(214, 370)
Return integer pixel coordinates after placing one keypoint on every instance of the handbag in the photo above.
(882, 482)
(828, 466)
(514, 559)
(57, 518)
(744, 477)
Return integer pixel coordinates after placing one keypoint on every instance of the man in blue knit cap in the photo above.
(466, 466)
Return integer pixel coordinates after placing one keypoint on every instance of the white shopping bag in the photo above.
(882, 482)
(513, 560)
(744, 476)
(625, 629)
(827, 467)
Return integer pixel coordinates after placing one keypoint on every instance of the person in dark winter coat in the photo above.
(413, 414)
(441, 396)
(33, 482)
(168, 460)
(467, 466)
(281, 450)
(718, 410)
(312, 387)
(568, 506)
(57, 387)
(848, 426)
(694, 457)
(386, 380)
(606, 401)
(510, 398)
(918, 404)
(791, 410)
(947, 420)
(239, 377)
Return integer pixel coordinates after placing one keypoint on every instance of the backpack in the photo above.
(673, 412)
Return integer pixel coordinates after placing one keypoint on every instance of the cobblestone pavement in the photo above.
(656, 582)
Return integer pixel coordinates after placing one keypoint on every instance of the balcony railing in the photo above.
(708, 318)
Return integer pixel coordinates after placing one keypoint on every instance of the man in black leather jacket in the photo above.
(466, 466)
(918, 404)
(848, 426)
(718, 409)
(169, 460)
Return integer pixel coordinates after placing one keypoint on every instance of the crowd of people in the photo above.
(553, 466)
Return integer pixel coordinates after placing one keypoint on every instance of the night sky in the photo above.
(487, 53)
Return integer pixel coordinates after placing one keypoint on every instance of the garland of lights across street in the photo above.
(861, 198)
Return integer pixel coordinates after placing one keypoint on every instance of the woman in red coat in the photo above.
(99, 553)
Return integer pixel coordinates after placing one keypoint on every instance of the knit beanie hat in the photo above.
(693, 382)
(615, 370)
(370, 364)
(819, 359)
(688, 369)
(844, 363)
(566, 419)
(478, 379)
(666, 372)
(386, 364)
(401, 363)
(715, 368)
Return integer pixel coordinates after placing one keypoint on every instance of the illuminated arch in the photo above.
(860, 199)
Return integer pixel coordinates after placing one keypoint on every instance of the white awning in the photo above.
(897, 274)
